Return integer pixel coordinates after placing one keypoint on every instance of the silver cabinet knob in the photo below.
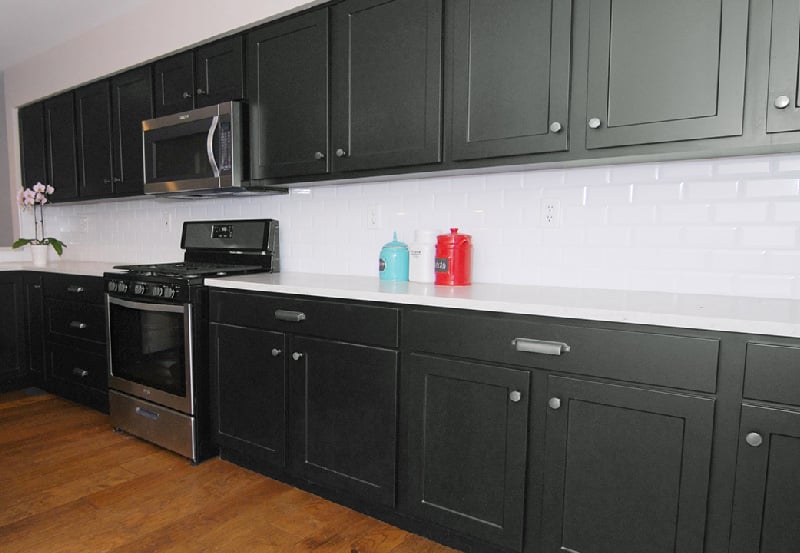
(296, 356)
(186, 95)
(754, 439)
(594, 123)
(319, 155)
(200, 92)
(341, 153)
(555, 127)
(554, 403)
(782, 102)
(275, 352)
(515, 396)
(77, 371)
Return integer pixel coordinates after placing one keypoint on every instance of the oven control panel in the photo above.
(144, 289)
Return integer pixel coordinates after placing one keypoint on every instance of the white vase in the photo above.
(39, 254)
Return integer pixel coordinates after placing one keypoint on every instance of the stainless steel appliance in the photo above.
(157, 332)
(196, 152)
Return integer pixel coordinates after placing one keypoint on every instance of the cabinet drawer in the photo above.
(79, 288)
(336, 320)
(77, 365)
(77, 320)
(650, 358)
(772, 373)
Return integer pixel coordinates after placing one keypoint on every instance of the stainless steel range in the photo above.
(157, 332)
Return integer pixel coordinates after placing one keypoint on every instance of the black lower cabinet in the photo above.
(467, 433)
(35, 337)
(626, 469)
(343, 401)
(13, 364)
(249, 395)
(766, 507)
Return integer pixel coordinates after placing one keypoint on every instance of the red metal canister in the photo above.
(453, 265)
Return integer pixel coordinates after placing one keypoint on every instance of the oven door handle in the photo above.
(157, 307)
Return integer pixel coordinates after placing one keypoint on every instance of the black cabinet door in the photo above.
(664, 71)
(12, 338)
(34, 339)
(62, 161)
(174, 83)
(626, 469)
(249, 392)
(132, 102)
(510, 77)
(766, 510)
(93, 107)
(288, 96)
(467, 431)
(343, 402)
(219, 71)
(386, 83)
(783, 109)
(33, 148)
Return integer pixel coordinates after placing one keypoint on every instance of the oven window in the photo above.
(148, 347)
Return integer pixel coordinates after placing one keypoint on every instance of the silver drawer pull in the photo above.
(78, 324)
(147, 414)
(73, 289)
(297, 356)
(528, 345)
(289, 316)
(77, 371)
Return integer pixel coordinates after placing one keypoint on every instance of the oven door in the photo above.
(150, 352)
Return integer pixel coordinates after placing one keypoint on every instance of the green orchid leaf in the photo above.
(21, 242)
(57, 244)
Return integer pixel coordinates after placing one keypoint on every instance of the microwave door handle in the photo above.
(210, 145)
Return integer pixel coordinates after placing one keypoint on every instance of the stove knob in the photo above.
(156, 291)
(112, 286)
(122, 287)
(138, 288)
(169, 292)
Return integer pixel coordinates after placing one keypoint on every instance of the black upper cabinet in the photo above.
(783, 109)
(212, 74)
(288, 97)
(467, 430)
(766, 510)
(665, 71)
(219, 71)
(510, 77)
(626, 469)
(132, 102)
(59, 118)
(93, 106)
(386, 83)
(174, 80)
(33, 147)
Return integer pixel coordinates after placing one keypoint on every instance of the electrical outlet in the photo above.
(83, 224)
(374, 217)
(550, 213)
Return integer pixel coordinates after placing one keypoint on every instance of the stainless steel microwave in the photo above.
(195, 153)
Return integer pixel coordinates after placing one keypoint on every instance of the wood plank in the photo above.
(69, 483)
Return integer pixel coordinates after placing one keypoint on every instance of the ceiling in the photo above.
(29, 27)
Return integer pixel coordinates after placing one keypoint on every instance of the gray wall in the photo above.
(6, 219)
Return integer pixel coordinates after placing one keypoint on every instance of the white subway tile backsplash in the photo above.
(742, 212)
(743, 166)
(685, 170)
(764, 285)
(771, 188)
(783, 262)
(711, 190)
(630, 174)
(663, 236)
(632, 215)
(584, 216)
(788, 164)
(591, 176)
(714, 237)
(683, 214)
(787, 211)
(769, 237)
(738, 261)
(651, 193)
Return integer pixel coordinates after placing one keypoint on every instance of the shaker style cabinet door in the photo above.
(386, 59)
(13, 362)
(219, 72)
(288, 97)
(174, 80)
(59, 119)
(343, 402)
(93, 107)
(248, 391)
(626, 469)
(665, 71)
(510, 77)
(132, 102)
(783, 109)
(765, 506)
(467, 432)
(32, 148)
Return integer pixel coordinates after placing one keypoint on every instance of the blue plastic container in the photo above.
(394, 261)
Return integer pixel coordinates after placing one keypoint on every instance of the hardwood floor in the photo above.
(69, 483)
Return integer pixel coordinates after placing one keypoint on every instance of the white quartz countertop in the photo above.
(89, 268)
(780, 317)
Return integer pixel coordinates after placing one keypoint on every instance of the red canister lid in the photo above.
(454, 238)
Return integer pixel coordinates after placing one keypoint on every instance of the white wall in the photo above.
(8, 221)
(720, 226)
